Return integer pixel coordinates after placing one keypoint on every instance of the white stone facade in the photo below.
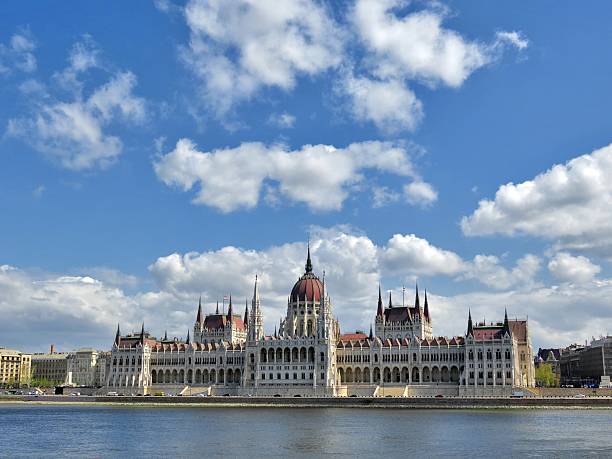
(307, 355)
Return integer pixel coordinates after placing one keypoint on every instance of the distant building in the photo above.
(86, 367)
(585, 365)
(51, 367)
(307, 354)
(15, 367)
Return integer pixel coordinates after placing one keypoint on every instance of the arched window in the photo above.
(322, 356)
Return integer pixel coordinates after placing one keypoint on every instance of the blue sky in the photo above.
(383, 129)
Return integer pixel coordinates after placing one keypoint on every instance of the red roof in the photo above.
(353, 336)
(518, 328)
(308, 288)
(488, 333)
(216, 321)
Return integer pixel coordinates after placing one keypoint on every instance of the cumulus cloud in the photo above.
(319, 176)
(18, 54)
(82, 309)
(411, 47)
(420, 193)
(568, 268)
(411, 254)
(488, 270)
(237, 48)
(73, 132)
(570, 203)
(389, 104)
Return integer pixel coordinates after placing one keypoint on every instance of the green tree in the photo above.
(545, 376)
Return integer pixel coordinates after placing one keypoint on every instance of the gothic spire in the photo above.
(470, 329)
(142, 334)
(166, 335)
(118, 336)
(380, 311)
(217, 310)
(230, 311)
(371, 334)
(199, 316)
(246, 312)
(417, 302)
(506, 328)
(256, 290)
(308, 261)
(188, 339)
(426, 307)
(390, 303)
(275, 332)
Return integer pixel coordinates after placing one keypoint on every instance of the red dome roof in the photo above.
(309, 287)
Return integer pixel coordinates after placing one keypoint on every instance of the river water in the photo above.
(99, 431)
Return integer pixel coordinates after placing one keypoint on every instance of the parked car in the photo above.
(579, 396)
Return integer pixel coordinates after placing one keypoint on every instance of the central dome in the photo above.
(308, 287)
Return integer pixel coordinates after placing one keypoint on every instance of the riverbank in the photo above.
(327, 402)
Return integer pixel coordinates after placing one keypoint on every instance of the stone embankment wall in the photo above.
(334, 402)
(570, 392)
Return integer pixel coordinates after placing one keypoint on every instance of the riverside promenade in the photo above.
(600, 402)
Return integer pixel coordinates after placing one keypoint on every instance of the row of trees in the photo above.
(545, 376)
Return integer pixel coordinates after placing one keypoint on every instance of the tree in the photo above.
(545, 376)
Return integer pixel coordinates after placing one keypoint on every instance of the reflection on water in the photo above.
(94, 431)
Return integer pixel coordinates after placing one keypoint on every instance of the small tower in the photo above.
(255, 327)
(118, 336)
(470, 327)
(379, 321)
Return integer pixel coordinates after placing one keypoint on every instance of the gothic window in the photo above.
(471, 355)
(507, 354)
(489, 355)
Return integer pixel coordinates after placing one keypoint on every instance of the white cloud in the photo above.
(73, 133)
(488, 270)
(76, 310)
(411, 47)
(420, 193)
(516, 39)
(414, 255)
(319, 176)
(568, 268)
(237, 48)
(570, 203)
(389, 104)
(18, 54)
(382, 196)
(282, 120)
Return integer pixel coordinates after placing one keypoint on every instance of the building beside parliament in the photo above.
(308, 355)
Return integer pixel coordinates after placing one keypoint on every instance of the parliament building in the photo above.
(229, 354)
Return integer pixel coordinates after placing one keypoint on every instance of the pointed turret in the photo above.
(308, 261)
(426, 307)
(417, 302)
(390, 302)
(246, 312)
(118, 336)
(380, 310)
(371, 334)
(275, 332)
(188, 340)
(506, 328)
(166, 335)
(230, 311)
(470, 329)
(217, 310)
(142, 334)
(199, 316)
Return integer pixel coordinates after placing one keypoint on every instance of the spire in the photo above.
(118, 336)
(230, 311)
(166, 335)
(217, 310)
(308, 261)
(188, 339)
(275, 332)
(379, 312)
(371, 334)
(199, 316)
(426, 307)
(256, 290)
(142, 334)
(246, 312)
(470, 330)
(390, 303)
(506, 328)
(417, 302)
